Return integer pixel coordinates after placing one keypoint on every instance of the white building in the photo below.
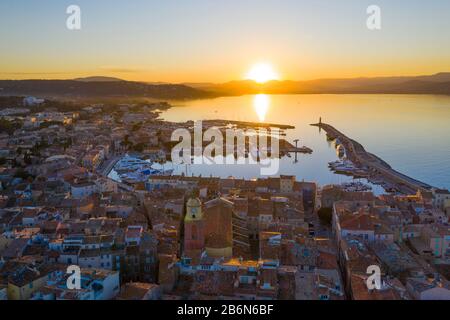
(32, 101)
(440, 198)
(96, 284)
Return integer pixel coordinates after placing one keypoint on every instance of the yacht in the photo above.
(344, 165)
(129, 163)
(355, 186)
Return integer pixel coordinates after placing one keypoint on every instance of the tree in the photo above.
(9, 126)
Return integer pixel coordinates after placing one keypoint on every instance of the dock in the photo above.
(247, 124)
(375, 167)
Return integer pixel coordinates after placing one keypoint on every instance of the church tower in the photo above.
(194, 233)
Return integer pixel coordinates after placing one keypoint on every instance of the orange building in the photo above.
(194, 236)
(218, 215)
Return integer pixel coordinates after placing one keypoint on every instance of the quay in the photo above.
(247, 124)
(376, 168)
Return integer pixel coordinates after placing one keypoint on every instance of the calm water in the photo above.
(410, 132)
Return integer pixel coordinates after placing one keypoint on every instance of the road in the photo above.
(107, 166)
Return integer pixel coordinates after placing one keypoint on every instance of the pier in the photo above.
(376, 168)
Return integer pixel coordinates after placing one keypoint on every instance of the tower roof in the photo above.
(194, 202)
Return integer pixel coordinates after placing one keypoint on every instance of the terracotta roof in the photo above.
(361, 292)
(326, 260)
(135, 290)
(358, 222)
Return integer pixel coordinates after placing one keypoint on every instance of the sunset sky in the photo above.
(218, 41)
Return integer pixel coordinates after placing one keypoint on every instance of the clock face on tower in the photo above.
(194, 210)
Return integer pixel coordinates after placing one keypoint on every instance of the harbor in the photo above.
(355, 161)
(366, 170)
(131, 169)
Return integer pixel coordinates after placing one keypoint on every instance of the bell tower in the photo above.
(193, 210)
(194, 237)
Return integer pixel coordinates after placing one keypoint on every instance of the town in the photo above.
(156, 235)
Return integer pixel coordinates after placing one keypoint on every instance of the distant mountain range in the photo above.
(95, 87)
(99, 86)
(98, 79)
(431, 84)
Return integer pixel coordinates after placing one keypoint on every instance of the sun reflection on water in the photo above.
(261, 104)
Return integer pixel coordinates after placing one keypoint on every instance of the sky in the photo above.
(219, 41)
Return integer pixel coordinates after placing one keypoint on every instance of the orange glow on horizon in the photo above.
(262, 72)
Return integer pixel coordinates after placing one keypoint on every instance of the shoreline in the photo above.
(376, 168)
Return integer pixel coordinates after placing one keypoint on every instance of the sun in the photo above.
(262, 72)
